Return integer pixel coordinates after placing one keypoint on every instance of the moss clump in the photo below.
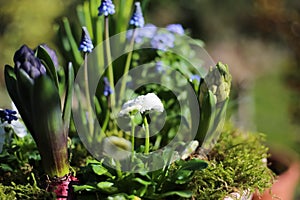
(235, 164)
(24, 192)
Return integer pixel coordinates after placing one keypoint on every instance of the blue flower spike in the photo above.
(137, 18)
(8, 116)
(106, 8)
(107, 88)
(86, 44)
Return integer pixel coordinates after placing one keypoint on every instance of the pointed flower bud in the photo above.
(25, 59)
(218, 81)
(106, 8)
(8, 116)
(107, 88)
(116, 147)
(137, 18)
(86, 44)
(175, 28)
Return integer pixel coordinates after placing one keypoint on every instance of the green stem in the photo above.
(127, 65)
(132, 138)
(109, 62)
(147, 135)
(118, 169)
(87, 94)
(157, 142)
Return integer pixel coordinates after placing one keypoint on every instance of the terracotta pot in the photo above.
(288, 170)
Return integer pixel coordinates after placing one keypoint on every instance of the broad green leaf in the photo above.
(99, 170)
(48, 127)
(43, 55)
(107, 187)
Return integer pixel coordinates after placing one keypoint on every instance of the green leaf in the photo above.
(99, 170)
(43, 55)
(107, 187)
(141, 181)
(194, 164)
(69, 94)
(182, 176)
(183, 193)
(73, 44)
(48, 127)
(11, 86)
(83, 187)
(206, 116)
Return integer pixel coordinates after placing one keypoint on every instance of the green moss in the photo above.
(236, 164)
(24, 192)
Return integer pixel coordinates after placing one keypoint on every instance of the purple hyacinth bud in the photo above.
(175, 28)
(86, 44)
(107, 88)
(52, 54)
(163, 41)
(137, 18)
(106, 8)
(25, 59)
(8, 116)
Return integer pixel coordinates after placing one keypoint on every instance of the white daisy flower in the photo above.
(142, 104)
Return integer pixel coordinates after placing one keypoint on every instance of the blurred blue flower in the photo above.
(107, 88)
(137, 18)
(86, 44)
(25, 59)
(148, 31)
(163, 41)
(195, 77)
(8, 116)
(159, 67)
(106, 8)
(175, 28)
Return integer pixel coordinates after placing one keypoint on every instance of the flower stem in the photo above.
(132, 138)
(87, 94)
(127, 65)
(147, 135)
(109, 62)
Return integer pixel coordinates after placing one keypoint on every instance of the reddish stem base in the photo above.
(62, 187)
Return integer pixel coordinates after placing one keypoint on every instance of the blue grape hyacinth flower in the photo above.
(106, 8)
(86, 44)
(107, 88)
(175, 28)
(8, 116)
(137, 18)
(163, 41)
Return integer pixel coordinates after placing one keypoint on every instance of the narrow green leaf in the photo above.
(69, 94)
(141, 181)
(83, 187)
(87, 16)
(73, 44)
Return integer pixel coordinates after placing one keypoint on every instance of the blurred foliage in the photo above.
(30, 22)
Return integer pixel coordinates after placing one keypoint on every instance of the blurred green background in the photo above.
(259, 39)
